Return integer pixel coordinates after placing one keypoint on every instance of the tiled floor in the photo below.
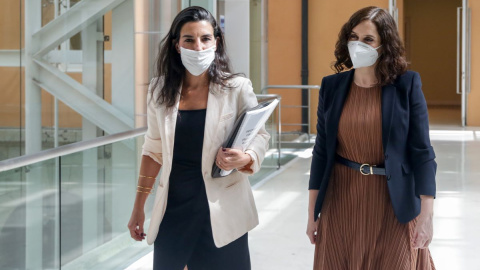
(280, 243)
(457, 207)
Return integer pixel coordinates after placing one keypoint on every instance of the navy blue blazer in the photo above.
(409, 157)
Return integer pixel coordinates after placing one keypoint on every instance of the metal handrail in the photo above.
(284, 86)
(266, 97)
(295, 86)
(26, 160)
(22, 161)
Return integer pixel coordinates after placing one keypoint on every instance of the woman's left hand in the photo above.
(423, 232)
(229, 159)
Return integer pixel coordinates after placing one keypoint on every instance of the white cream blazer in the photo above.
(232, 207)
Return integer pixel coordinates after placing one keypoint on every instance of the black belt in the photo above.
(365, 169)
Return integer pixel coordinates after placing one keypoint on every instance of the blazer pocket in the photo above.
(406, 168)
(226, 117)
(233, 184)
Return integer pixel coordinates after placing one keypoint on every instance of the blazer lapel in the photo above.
(170, 125)
(214, 110)
(341, 90)
(388, 103)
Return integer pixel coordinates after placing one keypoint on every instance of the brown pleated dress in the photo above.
(358, 228)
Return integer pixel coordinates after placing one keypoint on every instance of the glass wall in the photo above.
(71, 211)
(11, 77)
(73, 71)
(80, 77)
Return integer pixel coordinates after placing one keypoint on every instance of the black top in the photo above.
(186, 188)
(187, 150)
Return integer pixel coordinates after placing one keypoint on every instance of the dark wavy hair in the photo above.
(391, 62)
(169, 69)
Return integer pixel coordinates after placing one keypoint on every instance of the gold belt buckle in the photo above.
(371, 169)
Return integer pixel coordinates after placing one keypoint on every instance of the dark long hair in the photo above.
(391, 62)
(169, 68)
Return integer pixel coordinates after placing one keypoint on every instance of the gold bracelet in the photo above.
(149, 177)
(144, 192)
(144, 187)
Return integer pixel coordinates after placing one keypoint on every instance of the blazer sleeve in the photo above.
(259, 145)
(420, 151)
(152, 145)
(319, 155)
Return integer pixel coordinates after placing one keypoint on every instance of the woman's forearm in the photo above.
(426, 205)
(148, 172)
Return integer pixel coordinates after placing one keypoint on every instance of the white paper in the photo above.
(251, 124)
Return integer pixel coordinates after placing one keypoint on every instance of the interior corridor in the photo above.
(280, 243)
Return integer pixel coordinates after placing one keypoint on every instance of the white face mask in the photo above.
(196, 62)
(362, 55)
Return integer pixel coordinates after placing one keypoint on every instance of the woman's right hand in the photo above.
(312, 230)
(135, 225)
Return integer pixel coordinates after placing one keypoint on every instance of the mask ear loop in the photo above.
(376, 49)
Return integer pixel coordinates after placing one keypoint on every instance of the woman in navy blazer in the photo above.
(408, 158)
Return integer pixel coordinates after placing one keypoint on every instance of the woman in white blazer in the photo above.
(197, 221)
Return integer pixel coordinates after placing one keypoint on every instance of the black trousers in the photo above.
(190, 243)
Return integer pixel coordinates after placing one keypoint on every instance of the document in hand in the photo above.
(245, 129)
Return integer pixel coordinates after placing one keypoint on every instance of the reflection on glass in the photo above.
(71, 211)
(28, 208)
